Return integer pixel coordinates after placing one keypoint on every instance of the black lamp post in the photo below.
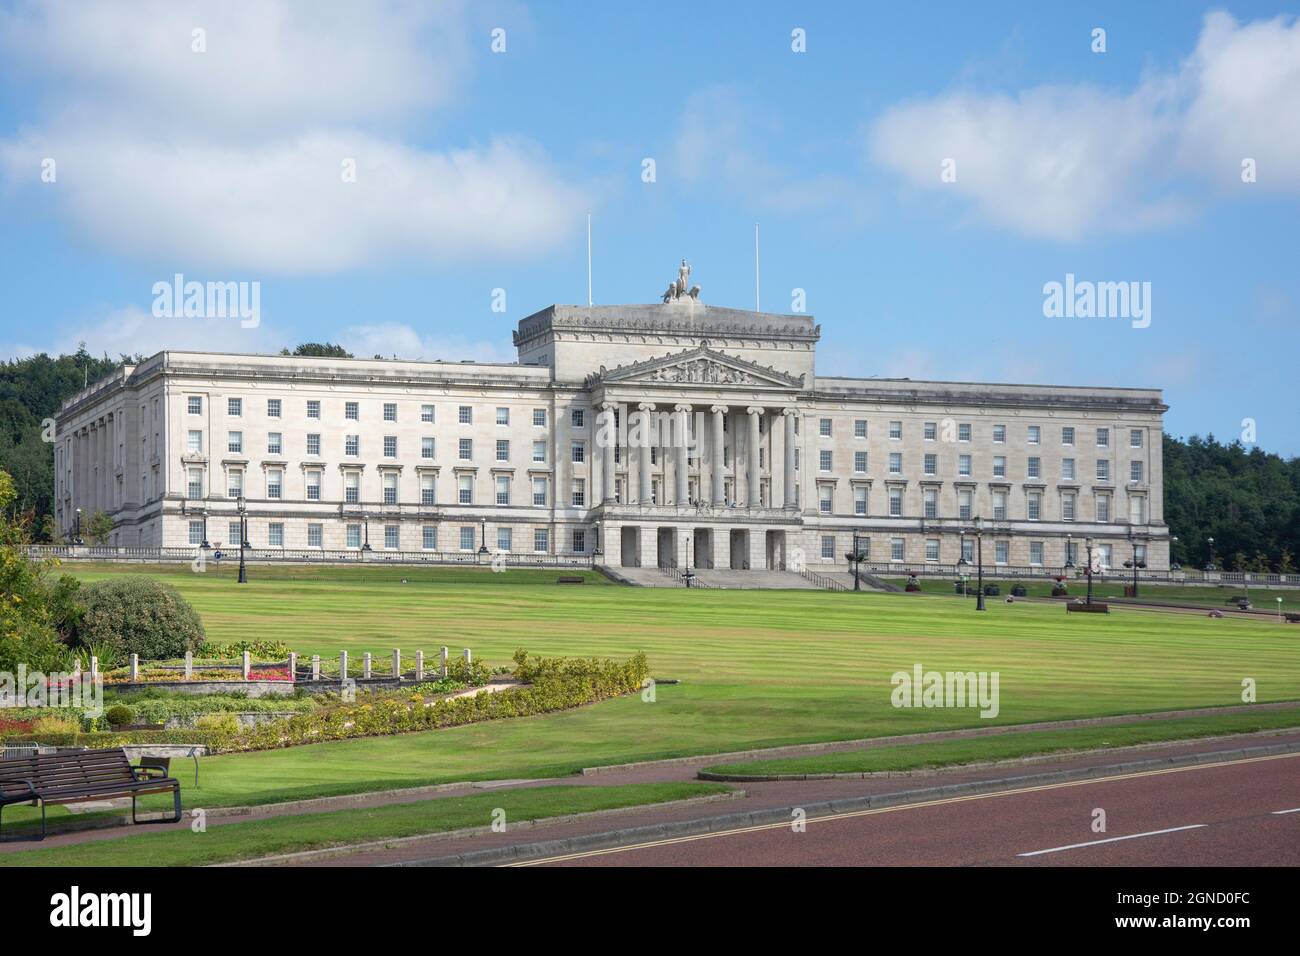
(482, 547)
(1069, 554)
(1174, 565)
(688, 576)
(979, 559)
(365, 525)
(855, 562)
(1210, 566)
(243, 538)
(205, 546)
(76, 530)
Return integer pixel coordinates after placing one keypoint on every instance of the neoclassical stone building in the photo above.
(671, 434)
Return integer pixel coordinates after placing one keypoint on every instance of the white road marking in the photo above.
(1131, 836)
(1295, 810)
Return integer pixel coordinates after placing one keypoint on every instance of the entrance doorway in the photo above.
(703, 548)
(776, 550)
(630, 547)
(739, 549)
(667, 547)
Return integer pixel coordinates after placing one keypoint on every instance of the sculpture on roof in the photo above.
(680, 286)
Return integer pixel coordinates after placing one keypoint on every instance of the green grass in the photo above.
(758, 669)
(1030, 743)
(223, 843)
(1208, 597)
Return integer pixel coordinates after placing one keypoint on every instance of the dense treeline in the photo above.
(1248, 501)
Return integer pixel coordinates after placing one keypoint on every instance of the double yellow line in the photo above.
(831, 817)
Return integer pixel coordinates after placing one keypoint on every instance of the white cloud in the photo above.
(1062, 162)
(395, 338)
(235, 158)
(133, 331)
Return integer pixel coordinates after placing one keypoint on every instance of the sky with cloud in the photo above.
(392, 181)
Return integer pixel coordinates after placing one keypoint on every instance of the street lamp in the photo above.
(205, 546)
(1135, 564)
(76, 531)
(243, 537)
(1087, 568)
(688, 576)
(1210, 566)
(1174, 565)
(482, 547)
(978, 532)
(365, 524)
(855, 560)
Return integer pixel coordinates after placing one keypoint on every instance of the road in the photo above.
(1241, 812)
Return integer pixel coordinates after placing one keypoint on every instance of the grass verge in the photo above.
(232, 842)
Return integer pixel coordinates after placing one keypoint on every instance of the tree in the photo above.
(99, 528)
(319, 350)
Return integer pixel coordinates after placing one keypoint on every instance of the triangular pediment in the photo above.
(701, 366)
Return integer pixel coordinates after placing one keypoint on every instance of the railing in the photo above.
(1112, 574)
(502, 559)
(823, 582)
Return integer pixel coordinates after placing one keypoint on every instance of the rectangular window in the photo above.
(825, 499)
(1103, 469)
(235, 443)
(579, 452)
(824, 460)
(828, 547)
(895, 502)
(1103, 437)
(964, 505)
(390, 487)
(273, 443)
(354, 536)
(194, 404)
(1067, 435)
(503, 416)
(313, 408)
(1034, 506)
(196, 532)
(1137, 510)
(539, 418)
(194, 442)
(426, 414)
(932, 549)
(539, 492)
(465, 449)
(999, 506)
(860, 428)
(930, 431)
(963, 466)
(897, 549)
(503, 449)
(503, 489)
(390, 411)
(1067, 506)
(895, 462)
(1103, 508)
(391, 539)
(1135, 438)
(313, 485)
(352, 411)
(579, 493)
(541, 540)
(539, 451)
(467, 542)
(999, 466)
(860, 462)
(234, 483)
(429, 537)
(930, 497)
(1001, 552)
(824, 427)
(860, 500)
(1036, 553)
(233, 531)
(465, 489)
(577, 418)
(1035, 434)
(313, 443)
(274, 482)
(931, 464)
(1067, 469)
(234, 407)
(1034, 468)
(352, 445)
(390, 446)
(1135, 471)
(275, 534)
(895, 431)
(963, 432)
(999, 434)
(968, 550)
(505, 539)
(428, 492)
(314, 536)
(351, 487)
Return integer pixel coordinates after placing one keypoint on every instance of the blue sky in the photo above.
(475, 172)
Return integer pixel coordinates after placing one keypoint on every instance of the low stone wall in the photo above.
(251, 688)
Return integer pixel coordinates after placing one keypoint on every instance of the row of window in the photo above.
(930, 504)
(1001, 551)
(352, 446)
(352, 411)
(1033, 466)
(352, 487)
(389, 537)
(962, 432)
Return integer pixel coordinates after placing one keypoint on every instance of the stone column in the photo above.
(753, 478)
(791, 442)
(717, 455)
(643, 453)
(682, 453)
(607, 459)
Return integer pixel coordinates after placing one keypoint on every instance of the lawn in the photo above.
(1113, 590)
(949, 753)
(229, 842)
(757, 669)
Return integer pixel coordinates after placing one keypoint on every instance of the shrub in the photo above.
(138, 615)
(56, 725)
(258, 650)
(119, 715)
(217, 723)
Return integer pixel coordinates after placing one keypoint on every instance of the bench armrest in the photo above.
(31, 789)
(148, 773)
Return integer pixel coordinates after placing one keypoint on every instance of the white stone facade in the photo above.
(730, 452)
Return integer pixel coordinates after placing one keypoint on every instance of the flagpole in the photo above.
(588, 260)
(757, 300)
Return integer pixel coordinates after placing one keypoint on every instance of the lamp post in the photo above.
(1173, 565)
(482, 545)
(76, 530)
(365, 525)
(243, 538)
(688, 576)
(1135, 564)
(1069, 554)
(1210, 566)
(855, 558)
(979, 561)
(962, 563)
(205, 546)
(1279, 610)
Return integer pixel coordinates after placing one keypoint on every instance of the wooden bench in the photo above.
(80, 777)
(1293, 618)
(1240, 600)
(1096, 607)
(570, 579)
